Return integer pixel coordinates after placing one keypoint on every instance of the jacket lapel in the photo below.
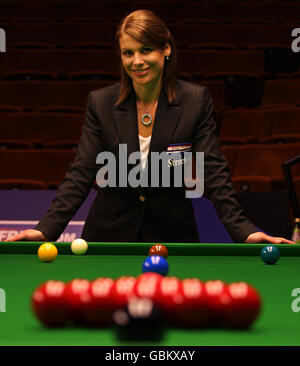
(166, 119)
(125, 116)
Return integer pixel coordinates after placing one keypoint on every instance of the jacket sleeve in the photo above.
(218, 187)
(78, 180)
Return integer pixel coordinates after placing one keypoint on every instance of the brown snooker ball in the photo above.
(159, 249)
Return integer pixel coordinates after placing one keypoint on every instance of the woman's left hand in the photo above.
(260, 237)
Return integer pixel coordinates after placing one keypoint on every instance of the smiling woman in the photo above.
(148, 53)
(143, 64)
(148, 63)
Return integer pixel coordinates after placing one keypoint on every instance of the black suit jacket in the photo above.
(148, 214)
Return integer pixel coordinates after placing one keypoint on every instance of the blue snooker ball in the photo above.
(156, 264)
(270, 254)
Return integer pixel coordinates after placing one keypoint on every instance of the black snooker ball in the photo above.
(140, 319)
(270, 254)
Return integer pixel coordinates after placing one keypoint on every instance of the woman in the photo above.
(149, 111)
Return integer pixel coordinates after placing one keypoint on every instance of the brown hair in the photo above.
(146, 27)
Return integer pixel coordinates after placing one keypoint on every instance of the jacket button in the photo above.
(142, 198)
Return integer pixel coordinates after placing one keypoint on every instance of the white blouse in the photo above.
(144, 147)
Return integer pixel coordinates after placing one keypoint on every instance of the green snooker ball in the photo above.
(270, 254)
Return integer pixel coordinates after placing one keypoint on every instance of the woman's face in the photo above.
(142, 63)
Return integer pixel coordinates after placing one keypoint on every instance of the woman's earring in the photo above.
(167, 58)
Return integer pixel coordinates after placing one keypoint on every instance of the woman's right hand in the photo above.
(28, 235)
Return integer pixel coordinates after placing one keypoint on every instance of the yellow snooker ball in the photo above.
(47, 252)
(79, 246)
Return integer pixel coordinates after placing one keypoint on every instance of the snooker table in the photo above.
(21, 272)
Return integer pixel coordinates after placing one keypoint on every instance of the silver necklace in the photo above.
(146, 115)
(149, 117)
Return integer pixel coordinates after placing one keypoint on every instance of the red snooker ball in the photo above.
(218, 298)
(170, 298)
(49, 305)
(194, 312)
(158, 249)
(99, 307)
(122, 290)
(245, 305)
(77, 296)
(146, 285)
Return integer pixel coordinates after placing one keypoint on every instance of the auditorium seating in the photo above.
(278, 58)
(75, 60)
(275, 11)
(29, 75)
(41, 129)
(205, 61)
(34, 167)
(37, 94)
(260, 125)
(217, 90)
(90, 45)
(60, 61)
(246, 125)
(94, 75)
(219, 46)
(240, 35)
(230, 153)
(60, 33)
(31, 45)
(242, 89)
(259, 167)
(281, 91)
(256, 167)
(286, 127)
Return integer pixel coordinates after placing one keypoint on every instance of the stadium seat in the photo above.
(94, 75)
(217, 91)
(61, 61)
(240, 35)
(90, 46)
(38, 94)
(9, 108)
(28, 75)
(208, 61)
(286, 127)
(14, 143)
(281, 91)
(41, 129)
(42, 166)
(230, 153)
(61, 33)
(242, 89)
(212, 46)
(31, 45)
(259, 167)
(279, 58)
(89, 20)
(246, 125)
(60, 109)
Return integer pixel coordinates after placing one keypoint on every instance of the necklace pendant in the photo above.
(146, 115)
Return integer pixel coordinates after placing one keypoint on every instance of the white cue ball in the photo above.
(79, 246)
